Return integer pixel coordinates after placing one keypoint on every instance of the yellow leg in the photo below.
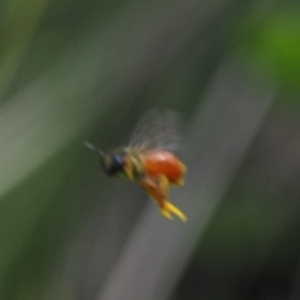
(158, 191)
(170, 209)
(183, 167)
(164, 185)
(167, 208)
(166, 213)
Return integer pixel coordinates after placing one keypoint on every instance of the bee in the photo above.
(149, 160)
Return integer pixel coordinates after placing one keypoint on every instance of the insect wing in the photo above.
(156, 131)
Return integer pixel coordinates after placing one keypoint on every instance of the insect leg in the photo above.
(180, 181)
(168, 208)
(158, 190)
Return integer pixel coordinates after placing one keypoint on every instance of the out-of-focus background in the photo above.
(88, 70)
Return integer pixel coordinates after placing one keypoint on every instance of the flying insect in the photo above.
(149, 160)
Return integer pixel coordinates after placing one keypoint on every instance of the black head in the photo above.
(112, 164)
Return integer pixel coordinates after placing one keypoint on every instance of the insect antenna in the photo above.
(93, 148)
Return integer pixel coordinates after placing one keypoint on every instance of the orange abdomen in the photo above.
(164, 163)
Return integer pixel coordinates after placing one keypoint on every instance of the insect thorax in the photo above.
(133, 167)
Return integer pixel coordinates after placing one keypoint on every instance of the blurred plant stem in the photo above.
(19, 20)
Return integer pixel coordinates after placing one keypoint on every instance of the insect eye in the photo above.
(112, 164)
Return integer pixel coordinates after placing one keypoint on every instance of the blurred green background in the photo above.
(88, 70)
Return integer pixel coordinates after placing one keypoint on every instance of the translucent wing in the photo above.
(156, 131)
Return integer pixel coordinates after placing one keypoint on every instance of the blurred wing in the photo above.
(156, 131)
